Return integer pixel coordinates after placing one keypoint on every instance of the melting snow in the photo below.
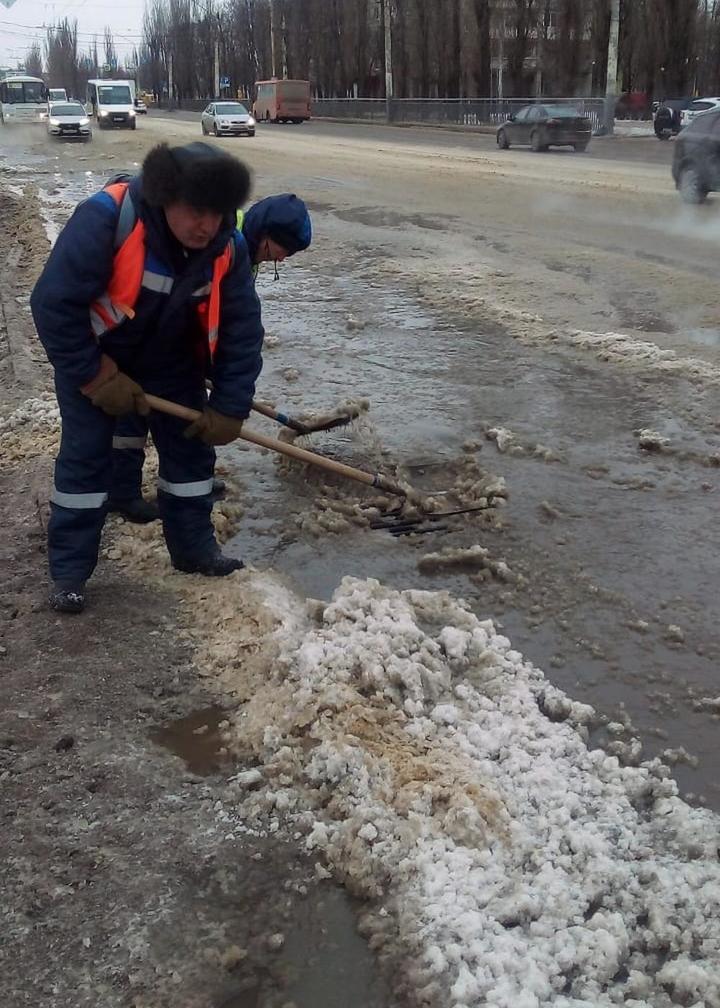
(440, 775)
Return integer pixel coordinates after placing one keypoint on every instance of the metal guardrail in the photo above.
(186, 104)
(467, 112)
(449, 111)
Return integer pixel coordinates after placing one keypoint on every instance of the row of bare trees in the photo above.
(441, 48)
(62, 64)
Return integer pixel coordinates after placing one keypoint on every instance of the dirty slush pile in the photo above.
(440, 777)
(337, 504)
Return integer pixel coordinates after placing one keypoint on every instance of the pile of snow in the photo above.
(439, 775)
(32, 430)
(633, 128)
(624, 349)
(35, 414)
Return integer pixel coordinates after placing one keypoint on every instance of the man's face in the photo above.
(193, 228)
(270, 251)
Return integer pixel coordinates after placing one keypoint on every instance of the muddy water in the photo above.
(196, 739)
(618, 547)
(323, 960)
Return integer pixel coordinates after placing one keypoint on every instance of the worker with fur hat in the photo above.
(274, 229)
(149, 289)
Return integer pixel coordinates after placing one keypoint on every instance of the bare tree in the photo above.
(441, 48)
(33, 60)
(110, 52)
(61, 56)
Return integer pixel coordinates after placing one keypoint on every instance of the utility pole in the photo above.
(272, 39)
(283, 38)
(612, 67)
(387, 24)
(501, 59)
(170, 79)
(216, 69)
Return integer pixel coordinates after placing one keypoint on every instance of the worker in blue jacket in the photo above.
(149, 289)
(274, 229)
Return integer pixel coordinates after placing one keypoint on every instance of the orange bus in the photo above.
(282, 101)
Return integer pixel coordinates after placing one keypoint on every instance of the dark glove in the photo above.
(214, 428)
(114, 393)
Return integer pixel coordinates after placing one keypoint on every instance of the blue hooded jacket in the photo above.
(283, 218)
(164, 337)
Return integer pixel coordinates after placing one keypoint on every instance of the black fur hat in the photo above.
(198, 174)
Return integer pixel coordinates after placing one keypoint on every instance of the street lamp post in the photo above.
(612, 67)
(387, 25)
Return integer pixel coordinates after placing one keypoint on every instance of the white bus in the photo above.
(22, 98)
(112, 102)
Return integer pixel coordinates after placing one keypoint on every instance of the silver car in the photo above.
(68, 119)
(223, 117)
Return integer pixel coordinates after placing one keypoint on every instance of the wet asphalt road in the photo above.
(621, 148)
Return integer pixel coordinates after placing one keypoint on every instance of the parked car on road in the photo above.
(696, 164)
(696, 108)
(225, 117)
(69, 120)
(544, 126)
(140, 106)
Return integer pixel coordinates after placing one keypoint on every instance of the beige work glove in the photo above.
(114, 392)
(214, 428)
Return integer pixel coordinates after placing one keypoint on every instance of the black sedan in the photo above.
(544, 126)
(696, 164)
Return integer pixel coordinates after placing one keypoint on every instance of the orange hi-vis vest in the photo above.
(129, 275)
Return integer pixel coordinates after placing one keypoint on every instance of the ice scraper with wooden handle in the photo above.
(291, 450)
(306, 428)
(353, 412)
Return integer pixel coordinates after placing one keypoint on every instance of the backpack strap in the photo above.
(127, 218)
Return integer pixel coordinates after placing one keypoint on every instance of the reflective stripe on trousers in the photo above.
(200, 488)
(123, 442)
(84, 501)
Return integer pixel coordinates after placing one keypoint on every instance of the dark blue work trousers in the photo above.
(83, 477)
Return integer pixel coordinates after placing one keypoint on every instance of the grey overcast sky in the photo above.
(23, 23)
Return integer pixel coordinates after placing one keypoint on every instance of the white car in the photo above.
(224, 117)
(68, 119)
(140, 106)
(697, 108)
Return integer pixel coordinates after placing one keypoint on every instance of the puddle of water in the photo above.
(195, 738)
(325, 960)
(249, 998)
(243, 999)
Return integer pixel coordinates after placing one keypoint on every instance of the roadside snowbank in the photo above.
(440, 775)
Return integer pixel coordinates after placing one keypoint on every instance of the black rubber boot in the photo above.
(135, 509)
(67, 598)
(218, 488)
(215, 565)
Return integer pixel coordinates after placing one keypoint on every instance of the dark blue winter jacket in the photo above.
(164, 338)
(283, 218)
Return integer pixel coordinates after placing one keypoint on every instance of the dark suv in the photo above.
(696, 164)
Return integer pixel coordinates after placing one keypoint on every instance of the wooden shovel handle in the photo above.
(284, 448)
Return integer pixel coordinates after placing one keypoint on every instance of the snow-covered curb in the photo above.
(633, 128)
(439, 774)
